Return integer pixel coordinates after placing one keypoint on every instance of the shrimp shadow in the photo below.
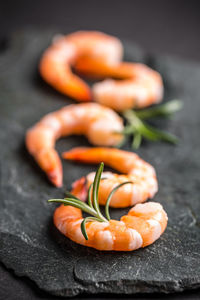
(86, 260)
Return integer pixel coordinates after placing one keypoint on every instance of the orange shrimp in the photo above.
(139, 228)
(57, 60)
(96, 122)
(143, 87)
(138, 171)
(99, 55)
(140, 88)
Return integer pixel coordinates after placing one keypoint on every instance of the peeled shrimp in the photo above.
(99, 55)
(96, 122)
(143, 88)
(134, 168)
(139, 228)
(57, 60)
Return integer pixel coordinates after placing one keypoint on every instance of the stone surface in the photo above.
(29, 243)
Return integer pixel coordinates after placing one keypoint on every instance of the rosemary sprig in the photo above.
(92, 208)
(139, 129)
(164, 110)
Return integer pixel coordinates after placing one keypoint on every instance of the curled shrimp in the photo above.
(143, 225)
(134, 168)
(99, 55)
(96, 122)
(57, 60)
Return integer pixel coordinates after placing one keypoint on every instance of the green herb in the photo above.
(139, 129)
(92, 208)
(164, 110)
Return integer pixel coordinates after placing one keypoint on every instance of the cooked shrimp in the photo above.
(143, 225)
(143, 88)
(96, 122)
(135, 169)
(99, 55)
(57, 60)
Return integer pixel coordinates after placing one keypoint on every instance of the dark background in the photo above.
(164, 27)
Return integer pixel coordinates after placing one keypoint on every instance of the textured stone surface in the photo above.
(29, 243)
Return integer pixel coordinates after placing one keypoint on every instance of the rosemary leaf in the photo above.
(76, 203)
(90, 196)
(128, 130)
(83, 229)
(137, 139)
(133, 120)
(147, 132)
(96, 190)
(70, 195)
(163, 110)
(110, 196)
(162, 135)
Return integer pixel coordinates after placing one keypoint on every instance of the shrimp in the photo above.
(57, 60)
(99, 55)
(135, 169)
(143, 225)
(143, 87)
(98, 123)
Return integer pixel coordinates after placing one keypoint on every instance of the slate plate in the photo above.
(29, 243)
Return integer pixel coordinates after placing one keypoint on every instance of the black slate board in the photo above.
(29, 243)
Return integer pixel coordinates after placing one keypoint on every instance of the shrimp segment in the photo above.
(141, 227)
(134, 168)
(96, 122)
(57, 60)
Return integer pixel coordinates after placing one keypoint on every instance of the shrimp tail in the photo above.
(49, 162)
(84, 154)
(95, 69)
(79, 189)
(77, 89)
(55, 178)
